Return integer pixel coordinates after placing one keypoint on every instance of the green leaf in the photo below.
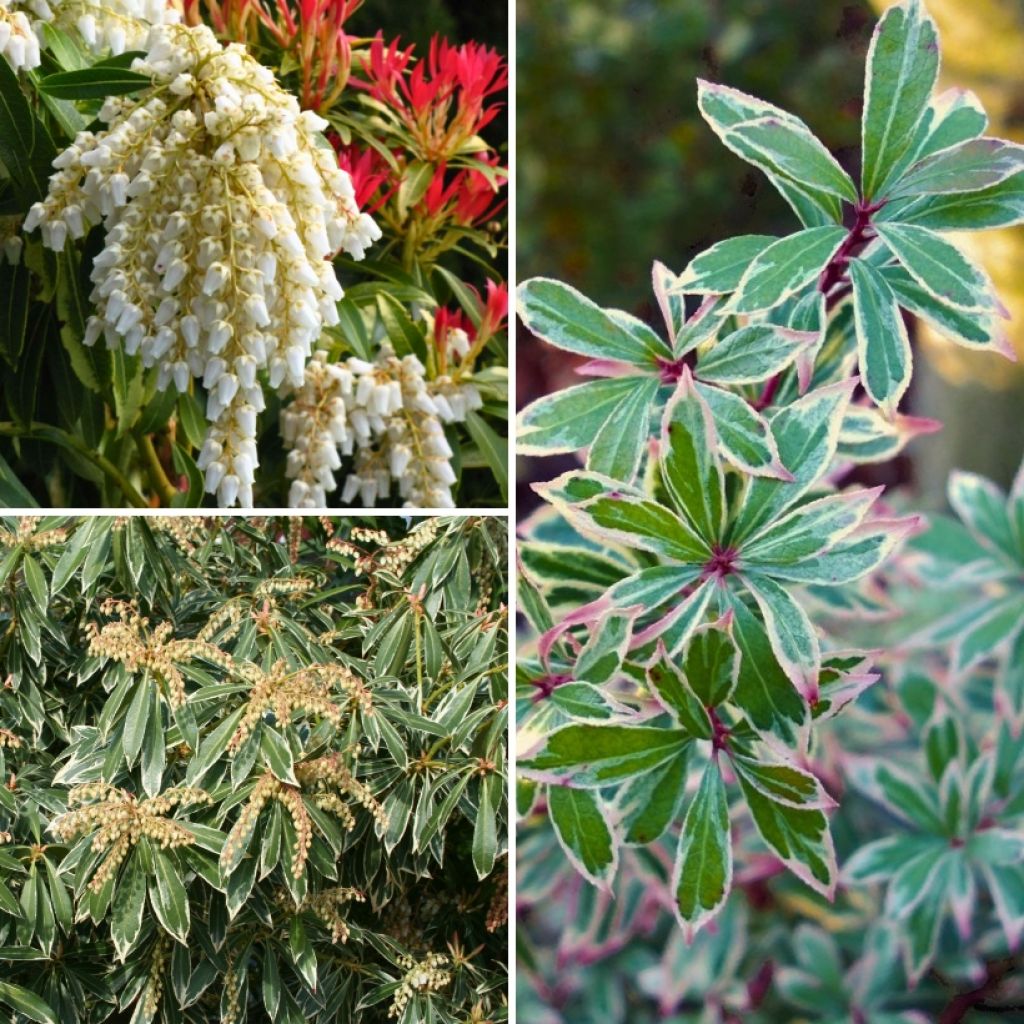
(493, 448)
(785, 268)
(15, 293)
(581, 700)
(127, 907)
(807, 434)
(752, 354)
(26, 149)
(793, 639)
(675, 694)
(902, 66)
(744, 437)
(277, 754)
(883, 343)
(999, 206)
(724, 109)
(650, 803)
(168, 897)
(712, 664)
(703, 868)
(784, 783)
(36, 582)
(12, 491)
(584, 832)
(940, 268)
(93, 83)
(968, 167)
(603, 653)
(719, 270)
(620, 515)
(597, 755)
(618, 447)
(153, 749)
(786, 148)
(808, 529)
(569, 320)
(571, 418)
(485, 831)
(135, 720)
(689, 463)
(763, 690)
(303, 955)
(984, 331)
(21, 999)
(799, 837)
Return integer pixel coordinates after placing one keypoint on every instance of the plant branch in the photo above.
(46, 432)
(157, 477)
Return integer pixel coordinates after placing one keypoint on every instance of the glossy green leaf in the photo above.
(584, 832)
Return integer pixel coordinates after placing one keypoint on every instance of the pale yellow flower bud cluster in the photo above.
(155, 982)
(131, 641)
(497, 910)
(385, 413)
(327, 905)
(421, 977)
(222, 202)
(328, 778)
(266, 789)
(117, 820)
(24, 535)
(9, 739)
(311, 690)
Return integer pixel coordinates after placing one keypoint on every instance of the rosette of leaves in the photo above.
(701, 659)
(383, 840)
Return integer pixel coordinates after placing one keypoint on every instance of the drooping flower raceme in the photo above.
(389, 416)
(113, 25)
(221, 202)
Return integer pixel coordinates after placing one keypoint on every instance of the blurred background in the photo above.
(616, 168)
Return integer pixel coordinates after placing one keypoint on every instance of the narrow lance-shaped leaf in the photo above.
(571, 418)
(940, 268)
(599, 755)
(619, 445)
(565, 318)
(902, 65)
(744, 436)
(703, 869)
(690, 467)
(883, 345)
(973, 165)
(785, 267)
(792, 152)
(800, 837)
(719, 270)
(793, 639)
(753, 353)
(584, 832)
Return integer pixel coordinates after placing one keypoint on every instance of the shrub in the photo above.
(708, 685)
(254, 769)
(177, 322)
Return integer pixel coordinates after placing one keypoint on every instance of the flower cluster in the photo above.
(25, 535)
(329, 779)
(445, 101)
(421, 977)
(385, 413)
(18, 42)
(221, 203)
(118, 820)
(129, 640)
(327, 905)
(9, 739)
(310, 690)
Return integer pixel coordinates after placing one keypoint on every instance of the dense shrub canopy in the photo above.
(254, 769)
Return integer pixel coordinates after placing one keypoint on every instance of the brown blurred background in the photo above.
(616, 168)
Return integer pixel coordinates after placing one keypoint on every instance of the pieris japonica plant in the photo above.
(253, 769)
(729, 675)
(188, 199)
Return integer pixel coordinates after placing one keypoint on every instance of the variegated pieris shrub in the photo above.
(764, 775)
(253, 770)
